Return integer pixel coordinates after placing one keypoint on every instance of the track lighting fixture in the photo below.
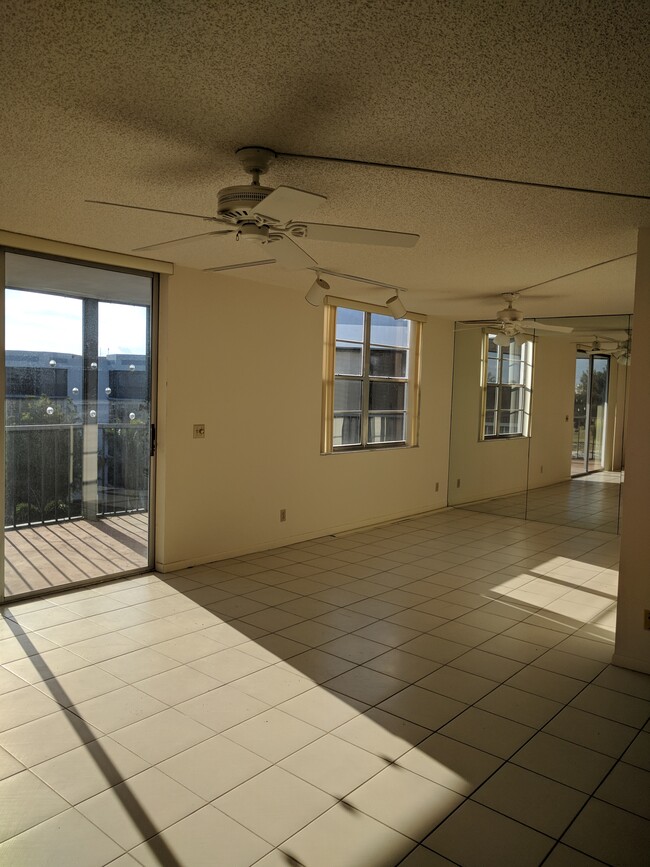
(397, 309)
(317, 292)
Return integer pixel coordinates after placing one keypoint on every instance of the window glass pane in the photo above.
(510, 423)
(347, 430)
(349, 324)
(386, 428)
(511, 367)
(389, 331)
(491, 397)
(387, 362)
(490, 423)
(347, 395)
(379, 359)
(387, 395)
(492, 369)
(512, 398)
(349, 357)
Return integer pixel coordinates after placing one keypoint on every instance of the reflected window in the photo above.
(371, 398)
(507, 385)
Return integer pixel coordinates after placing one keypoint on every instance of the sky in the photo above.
(52, 323)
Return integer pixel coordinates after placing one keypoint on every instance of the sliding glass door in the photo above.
(78, 423)
(589, 414)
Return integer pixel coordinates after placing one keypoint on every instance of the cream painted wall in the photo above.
(632, 640)
(499, 467)
(246, 360)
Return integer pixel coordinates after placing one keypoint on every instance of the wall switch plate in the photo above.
(283, 515)
(198, 431)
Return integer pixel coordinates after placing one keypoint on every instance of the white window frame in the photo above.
(412, 379)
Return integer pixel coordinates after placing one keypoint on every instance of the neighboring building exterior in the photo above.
(49, 418)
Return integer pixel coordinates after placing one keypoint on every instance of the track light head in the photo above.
(397, 309)
(317, 292)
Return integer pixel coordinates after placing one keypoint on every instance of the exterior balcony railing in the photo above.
(47, 476)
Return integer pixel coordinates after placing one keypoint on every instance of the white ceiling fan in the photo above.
(510, 322)
(599, 346)
(273, 219)
(614, 346)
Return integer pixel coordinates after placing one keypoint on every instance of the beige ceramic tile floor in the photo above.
(437, 691)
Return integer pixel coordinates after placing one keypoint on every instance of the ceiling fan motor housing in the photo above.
(253, 232)
(238, 202)
(509, 314)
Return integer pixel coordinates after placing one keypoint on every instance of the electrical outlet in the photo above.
(198, 431)
(283, 515)
(437, 486)
(458, 483)
(646, 619)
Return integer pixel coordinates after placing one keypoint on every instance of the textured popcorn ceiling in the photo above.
(146, 102)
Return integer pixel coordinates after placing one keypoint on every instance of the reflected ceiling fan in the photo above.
(510, 322)
(272, 218)
(619, 349)
(599, 346)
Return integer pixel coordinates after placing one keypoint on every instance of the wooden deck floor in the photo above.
(57, 555)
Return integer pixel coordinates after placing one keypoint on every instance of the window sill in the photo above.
(355, 450)
(504, 437)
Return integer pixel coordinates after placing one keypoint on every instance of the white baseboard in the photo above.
(270, 545)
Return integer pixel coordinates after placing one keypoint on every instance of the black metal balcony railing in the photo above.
(44, 478)
(123, 459)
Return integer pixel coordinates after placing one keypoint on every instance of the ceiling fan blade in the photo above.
(241, 265)
(352, 235)
(184, 239)
(542, 326)
(290, 255)
(158, 211)
(287, 203)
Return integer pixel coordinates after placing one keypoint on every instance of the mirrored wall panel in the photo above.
(538, 418)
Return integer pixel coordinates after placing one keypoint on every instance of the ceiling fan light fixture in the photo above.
(522, 338)
(253, 232)
(397, 309)
(317, 292)
(502, 339)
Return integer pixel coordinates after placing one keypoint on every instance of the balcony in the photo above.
(76, 503)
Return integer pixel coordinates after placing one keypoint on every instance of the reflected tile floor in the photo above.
(591, 502)
(434, 691)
